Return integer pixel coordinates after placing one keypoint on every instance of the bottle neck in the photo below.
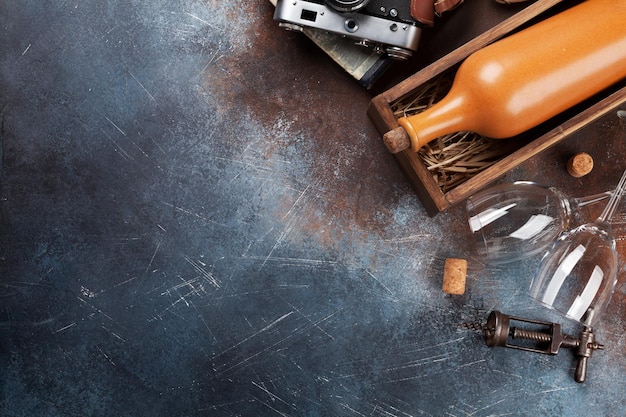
(454, 113)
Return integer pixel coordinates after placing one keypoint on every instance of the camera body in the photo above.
(385, 25)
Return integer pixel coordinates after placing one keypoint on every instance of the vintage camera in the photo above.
(388, 26)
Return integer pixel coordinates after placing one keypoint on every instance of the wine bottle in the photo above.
(525, 79)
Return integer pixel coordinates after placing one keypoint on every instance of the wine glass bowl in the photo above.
(578, 275)
(517, 220)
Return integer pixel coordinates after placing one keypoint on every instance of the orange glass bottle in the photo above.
(523, 80)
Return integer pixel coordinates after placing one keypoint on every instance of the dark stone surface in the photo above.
(197, 218)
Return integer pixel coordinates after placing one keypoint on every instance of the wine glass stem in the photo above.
(614, 201)
(592, 199)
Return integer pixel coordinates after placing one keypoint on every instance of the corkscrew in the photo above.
(542, 337)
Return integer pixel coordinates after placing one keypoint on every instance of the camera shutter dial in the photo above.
(347, 5)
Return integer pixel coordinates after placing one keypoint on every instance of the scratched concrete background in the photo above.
(198, 219)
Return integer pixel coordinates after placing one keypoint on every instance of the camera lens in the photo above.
(347, 5)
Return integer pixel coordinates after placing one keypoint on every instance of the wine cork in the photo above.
(397, 140)
(580, 165)
(454, 273)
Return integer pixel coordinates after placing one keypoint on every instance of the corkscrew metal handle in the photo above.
(543, 337)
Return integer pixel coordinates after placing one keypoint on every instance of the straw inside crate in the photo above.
(456, 157)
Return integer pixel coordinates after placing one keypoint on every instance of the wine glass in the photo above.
(578, 274)
(518, 220)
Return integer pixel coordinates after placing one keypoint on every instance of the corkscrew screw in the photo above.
(542, 337)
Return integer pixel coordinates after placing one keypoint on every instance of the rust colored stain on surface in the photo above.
(305, 102)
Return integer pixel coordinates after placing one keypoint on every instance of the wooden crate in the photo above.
(531, 143)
